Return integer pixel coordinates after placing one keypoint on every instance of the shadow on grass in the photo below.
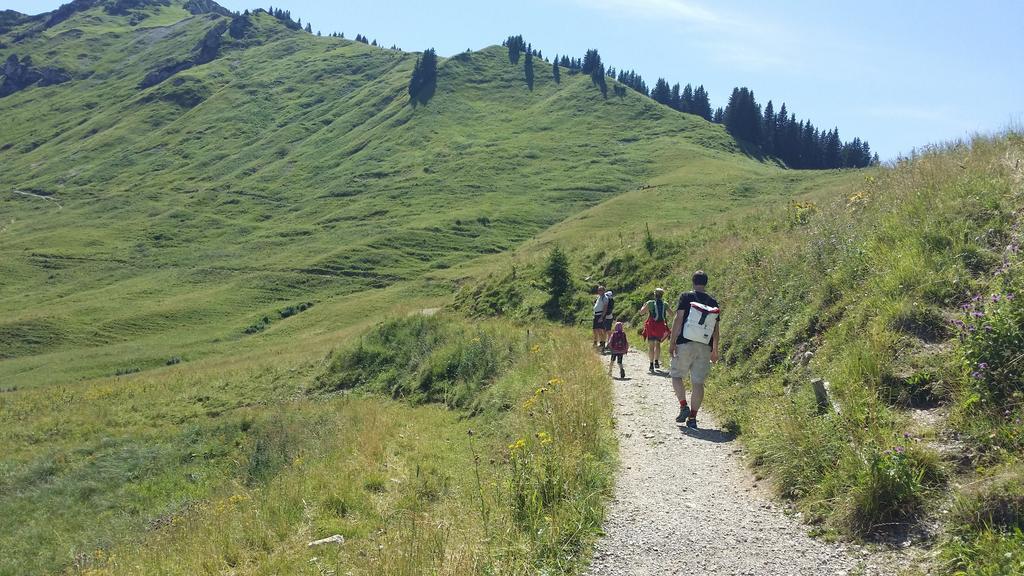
(423, 95)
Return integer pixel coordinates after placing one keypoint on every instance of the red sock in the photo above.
(693, 413)
(682, 403)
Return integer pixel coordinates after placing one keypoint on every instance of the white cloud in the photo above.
(726, 38)
(682, 10)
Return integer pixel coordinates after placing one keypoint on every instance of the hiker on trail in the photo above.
(694, 345)
(609, 308)
(619, 345)
(600, 305)
(655, 327)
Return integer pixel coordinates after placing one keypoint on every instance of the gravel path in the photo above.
(685, 503)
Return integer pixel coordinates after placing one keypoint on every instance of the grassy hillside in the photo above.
(898, 286)
(165, 383)
(193, 371)
(289, 168)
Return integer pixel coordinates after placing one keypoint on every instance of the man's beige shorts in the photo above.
(692, 359)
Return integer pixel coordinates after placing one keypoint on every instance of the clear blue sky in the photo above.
(900, 73)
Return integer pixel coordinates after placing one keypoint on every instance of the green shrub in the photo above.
(889, 490)
(294, 309)
(992, 344)
(272, 444)
(424, 359)
(994, 502)
(259, 326)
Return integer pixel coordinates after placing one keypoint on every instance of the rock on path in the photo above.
(686, 504)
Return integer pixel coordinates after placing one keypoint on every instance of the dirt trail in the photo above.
(34, 195)
(686, 504)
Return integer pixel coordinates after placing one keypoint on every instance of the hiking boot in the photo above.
(656, 364)
(651, 368)
(691, 422)
(684, 413)
(622, 373)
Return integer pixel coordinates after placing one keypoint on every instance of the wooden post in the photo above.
(821, 395)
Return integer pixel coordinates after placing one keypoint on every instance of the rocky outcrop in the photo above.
(206, 7)
(65, 11)
(209, 47)
(50, 75)
(9, 19)
(20, 74)
(205, 51)
(124, 7)
(240, 25)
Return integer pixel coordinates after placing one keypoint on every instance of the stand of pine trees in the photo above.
(424, 77)
(285, 16)
(797, 143)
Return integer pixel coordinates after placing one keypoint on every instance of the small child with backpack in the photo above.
(619, 345)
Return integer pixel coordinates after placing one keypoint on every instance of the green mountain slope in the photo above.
(159, 242)
(289, 167)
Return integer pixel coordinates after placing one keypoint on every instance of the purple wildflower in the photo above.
(977, 314)
(900, 449)
(983, 365)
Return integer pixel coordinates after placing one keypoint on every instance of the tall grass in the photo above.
(513, 482)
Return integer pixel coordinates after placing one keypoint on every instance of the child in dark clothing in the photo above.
(619, 345)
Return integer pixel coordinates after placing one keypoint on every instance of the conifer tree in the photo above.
(675, 99)
(701, 103)
(558, 280)
(424, 76)
(528, 67)
(590, 62)
(832, 149)
(555, 73)
(661, 93)
(686, 99)
(597, 76)
(515, 45)
(743, 116)
(768, 129)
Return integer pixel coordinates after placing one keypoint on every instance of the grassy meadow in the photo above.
(236, 468)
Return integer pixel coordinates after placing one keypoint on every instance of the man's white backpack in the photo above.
(700, 323)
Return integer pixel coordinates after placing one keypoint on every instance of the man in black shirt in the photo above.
(693, 358)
